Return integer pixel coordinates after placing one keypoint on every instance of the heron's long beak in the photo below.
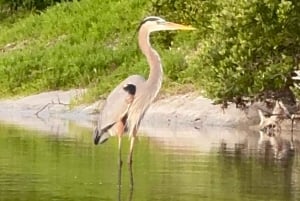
(175, 26)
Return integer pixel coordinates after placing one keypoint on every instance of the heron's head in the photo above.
(130, 88)
(154, 23)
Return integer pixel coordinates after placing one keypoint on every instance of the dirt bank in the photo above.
(186, 110)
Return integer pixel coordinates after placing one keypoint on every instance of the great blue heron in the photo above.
(127, 103)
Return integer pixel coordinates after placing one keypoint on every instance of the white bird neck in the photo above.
(156, 72)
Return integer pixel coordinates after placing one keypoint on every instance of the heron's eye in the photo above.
(160, 21)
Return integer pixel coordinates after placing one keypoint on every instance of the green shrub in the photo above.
(244, 47)
(14, 5)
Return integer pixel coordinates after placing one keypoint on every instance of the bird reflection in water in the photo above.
(130, 196)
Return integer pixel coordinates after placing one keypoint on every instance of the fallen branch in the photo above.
(48, 104)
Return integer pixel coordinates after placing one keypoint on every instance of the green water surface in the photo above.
(38, 166)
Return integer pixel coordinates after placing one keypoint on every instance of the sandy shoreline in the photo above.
(182, 110)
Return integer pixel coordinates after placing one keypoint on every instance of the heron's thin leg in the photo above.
(130, 161)
(120, 161)
(120, 150)
(132, 139)
(119, 187)
(131, 187)
(131, 180)
(131, 150)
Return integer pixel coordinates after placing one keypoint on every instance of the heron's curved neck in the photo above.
(156, 72)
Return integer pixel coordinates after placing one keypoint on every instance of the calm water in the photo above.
(41, 166)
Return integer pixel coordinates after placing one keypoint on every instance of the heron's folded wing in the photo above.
(116, 106)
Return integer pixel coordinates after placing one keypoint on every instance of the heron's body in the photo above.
(115, 109)
(118, 113)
